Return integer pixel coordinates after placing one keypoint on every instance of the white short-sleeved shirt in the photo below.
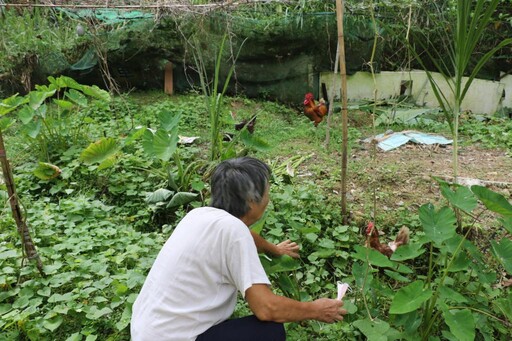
(194, 280)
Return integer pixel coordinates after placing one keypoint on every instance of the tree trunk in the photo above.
(29, 249)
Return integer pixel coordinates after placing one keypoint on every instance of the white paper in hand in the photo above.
(342, 289)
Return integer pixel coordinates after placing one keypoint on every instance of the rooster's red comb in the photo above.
(370, 227)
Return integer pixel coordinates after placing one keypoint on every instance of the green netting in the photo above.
(88, 61)
(107, 16)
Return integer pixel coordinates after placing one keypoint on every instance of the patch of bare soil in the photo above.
(402, 179)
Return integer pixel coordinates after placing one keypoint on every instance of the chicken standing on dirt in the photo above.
(386, 249)
(315, 112)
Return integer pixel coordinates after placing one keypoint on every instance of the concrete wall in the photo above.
(483, 97)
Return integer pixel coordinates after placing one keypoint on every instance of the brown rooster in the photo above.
(315, 112)
(386, 249)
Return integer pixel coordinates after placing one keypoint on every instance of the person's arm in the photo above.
(284, 248)
(270, 307)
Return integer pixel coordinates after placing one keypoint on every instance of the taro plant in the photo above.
(162, 146)
(51, 128)
(453, 295)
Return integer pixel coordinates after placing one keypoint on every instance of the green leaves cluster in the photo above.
(95, 262)
(451, 296)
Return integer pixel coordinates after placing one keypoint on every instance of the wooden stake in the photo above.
(344, 111)
(29, 248)
(168, 86)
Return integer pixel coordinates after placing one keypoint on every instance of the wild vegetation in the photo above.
(102, 179)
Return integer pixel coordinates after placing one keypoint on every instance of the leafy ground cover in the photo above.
(99, 225)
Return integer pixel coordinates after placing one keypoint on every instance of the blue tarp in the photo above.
(391, 140)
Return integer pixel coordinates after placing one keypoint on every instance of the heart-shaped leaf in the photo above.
(410, 298)
(53, 323)
(438, 226)
(462, 198)
(36, 98)
(77, 97)
(181, 198)
(26, 114)
(373, 330)
(169, 120)
(11, 103)
(160, 195)
(161, 144)
(409, 251)
(63, 104)
(32, 129)
(374, 257)
(492, 200)
(99, 151)
(461, 323)
(47, 171)
(95, 92)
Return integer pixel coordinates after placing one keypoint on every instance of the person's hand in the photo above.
(288, 248)
(329, 310)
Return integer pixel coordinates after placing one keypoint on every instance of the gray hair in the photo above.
(237, 182)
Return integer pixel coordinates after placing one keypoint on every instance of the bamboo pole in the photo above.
(344, 111)
(28, 246)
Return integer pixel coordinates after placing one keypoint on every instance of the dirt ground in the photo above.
(402, 179)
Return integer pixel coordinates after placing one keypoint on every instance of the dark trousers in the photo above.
(247, 328)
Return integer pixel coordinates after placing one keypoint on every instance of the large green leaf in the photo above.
(461, 262)
(64, 104)
(461, 323)
(409, 251)
(26, 114)
(504, 305)
(507, 223)
(108, 162)
(160, 195)
(451, 295)
(99, 151)
(492, 200)
(410, 298)
(438, 226)
(53, 323)
(280, 264)
(77, 97)
(32, 129)
(396, 276)
(161, 144)
(11, 103)
(37, 98)
(134, 135)
(6, 122)
(462, 198)
(67, 82)
(46, 171)
(374, 330)
(374, 257)
(96, 92)
(181, 198)
(169, 120)
(503, 251)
